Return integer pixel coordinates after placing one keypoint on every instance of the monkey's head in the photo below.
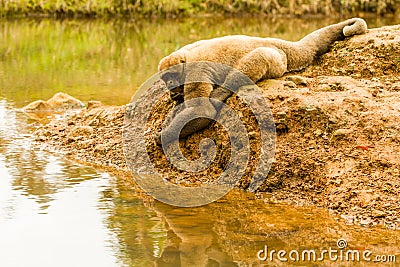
(172, 70)
(173, 59)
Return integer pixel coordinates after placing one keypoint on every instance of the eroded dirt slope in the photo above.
(338, 133)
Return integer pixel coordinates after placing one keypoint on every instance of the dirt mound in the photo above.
(375, 54)
(338, 134)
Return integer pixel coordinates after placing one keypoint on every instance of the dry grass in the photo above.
(177, 8)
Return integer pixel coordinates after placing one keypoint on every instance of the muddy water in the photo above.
(55, 212)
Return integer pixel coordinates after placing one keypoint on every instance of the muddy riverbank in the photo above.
(338, 133)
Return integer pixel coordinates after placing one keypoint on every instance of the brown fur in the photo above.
(257, 58)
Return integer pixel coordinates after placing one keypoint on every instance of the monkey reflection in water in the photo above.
(177, 254)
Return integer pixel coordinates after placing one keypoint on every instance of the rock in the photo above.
(270, 84)
(396, 87)
(40, 138)
(80, 131)
(37, 106)
(336, 86)
(62, 101)
(281, 115)
(342, 133)
(298, 80)
(349, 219)
(333, 120)
(38, 110)
(375, 92)
(41, 109)
(84, 144)
(94, 122)
(94, 104)
(290, 84)
(281, 128)
(318, 132)
(101, 148)
(366, 222)
(366, 198)
(378, 214)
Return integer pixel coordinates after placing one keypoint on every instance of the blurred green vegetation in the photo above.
(177, 8)
(108, 60)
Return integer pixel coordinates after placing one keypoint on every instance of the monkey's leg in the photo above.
(262, 62)
(197, 113)
(198, 105)
(177, 96)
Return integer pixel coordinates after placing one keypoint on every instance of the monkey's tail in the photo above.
(320, 40)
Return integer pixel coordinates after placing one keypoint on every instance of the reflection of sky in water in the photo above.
(49, 214)
(54, 212)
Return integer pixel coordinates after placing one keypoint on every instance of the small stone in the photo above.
(252, 135)
(281, 115)
(94, 104)
(281, 127)
(366, 222)
(84, 144)
(371, 69)
(318, 132)
(101, 148)
(378, 214)
(298, 80)
(342, 133)
(349, 219)
(77, 131)
(333, 120)
(396, 87)
(366, 197)
(336, 87)
(94, 122)
(375, 92)
(290, 84)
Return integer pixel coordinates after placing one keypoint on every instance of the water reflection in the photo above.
(231, 231)
(58, 213)
(38, 175)
(49, 213)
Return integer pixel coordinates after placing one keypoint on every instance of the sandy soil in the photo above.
(338, 134)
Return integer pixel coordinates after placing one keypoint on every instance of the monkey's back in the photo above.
(225, 50)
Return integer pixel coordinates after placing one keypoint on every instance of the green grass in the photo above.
(180, 8)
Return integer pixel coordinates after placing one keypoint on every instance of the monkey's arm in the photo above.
(262, 62)
(197, 114)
